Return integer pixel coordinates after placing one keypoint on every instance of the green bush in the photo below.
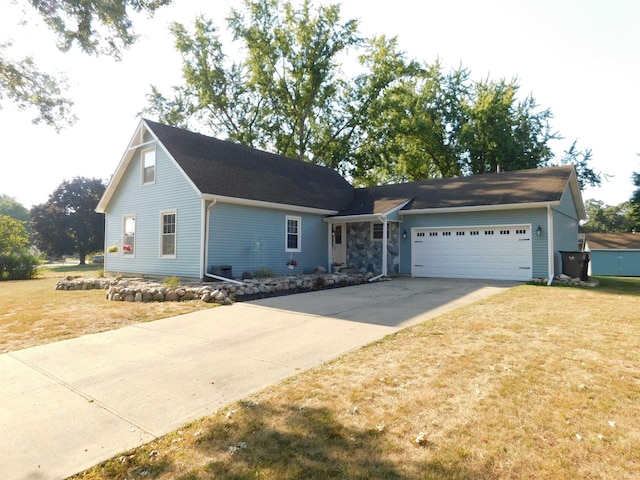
(264, 273)
(172, 282)
(18, 266)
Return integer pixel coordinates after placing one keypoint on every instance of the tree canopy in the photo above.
(602, 218)
(68, 223)
(635, 197)
(395, 119)
(11, 207)
(96, 26)
(14, 236)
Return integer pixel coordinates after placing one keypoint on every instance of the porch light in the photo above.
(404, 234)
(539, 230)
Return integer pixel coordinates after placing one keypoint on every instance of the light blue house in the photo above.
(189, 205)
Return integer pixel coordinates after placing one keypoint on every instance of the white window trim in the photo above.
(124, 220)
(286, 233)
(175, 247)
(381, 224)
(155, 166)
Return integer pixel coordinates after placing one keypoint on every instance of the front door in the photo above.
(339, 244)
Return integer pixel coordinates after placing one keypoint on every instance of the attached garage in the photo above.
(501, 252)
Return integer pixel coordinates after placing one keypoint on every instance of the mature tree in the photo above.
(282, 96)
(396, 120)
(604, 218)
(24, 85)
(11, 207)
(635, 198)
(67, 223)
(502, 133)
(96, 26)
(14, 236)
(580, 160)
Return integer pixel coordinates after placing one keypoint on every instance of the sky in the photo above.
(579, 58)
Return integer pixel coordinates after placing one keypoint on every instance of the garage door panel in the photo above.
(494, 252)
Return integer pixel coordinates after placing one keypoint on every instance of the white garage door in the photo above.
(496, 252)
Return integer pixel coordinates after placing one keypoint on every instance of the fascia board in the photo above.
(262, 204)
(480, 208)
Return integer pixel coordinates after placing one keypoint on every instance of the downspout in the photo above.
(383, 219)
(550, 252)
(206, 250)
(330, 247)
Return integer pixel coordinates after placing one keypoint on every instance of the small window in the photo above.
(460, 234)
(337, 234)
(128, 235)
(504, 232)
(446, 234)
(149, 166)
(521, 232)
(377, 231)
(474, 232)
(421, 234)
(168, 235)
(292, 234)
(433, 234)
(488, 232)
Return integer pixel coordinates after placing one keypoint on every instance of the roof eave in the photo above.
(263, 204)
(367, 217)
(480, 208)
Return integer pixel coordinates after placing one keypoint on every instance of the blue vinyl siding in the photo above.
(534, 217)
(249, 238)
(618, 263)
(170, 192)
(565, 228)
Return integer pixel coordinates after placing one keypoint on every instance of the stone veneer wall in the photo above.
(365, 254)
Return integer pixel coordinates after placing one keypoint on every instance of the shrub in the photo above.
(172, 282)
(264, 273)
(18, 266)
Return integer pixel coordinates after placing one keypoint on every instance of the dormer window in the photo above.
(149, 166)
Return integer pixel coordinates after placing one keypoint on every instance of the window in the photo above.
(337, 234)
(292, 234)
(377, 230)
(128, 235)
(168, 236)
(148, 166)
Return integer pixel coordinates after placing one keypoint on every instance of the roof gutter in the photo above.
(480, 208)
(263, 204)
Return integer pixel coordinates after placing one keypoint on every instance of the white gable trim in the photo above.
(370, 217)
(137, 141)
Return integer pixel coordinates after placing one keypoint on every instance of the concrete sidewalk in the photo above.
(69, 405)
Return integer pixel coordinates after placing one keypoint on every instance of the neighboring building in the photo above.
(185, 204)
(614, 254)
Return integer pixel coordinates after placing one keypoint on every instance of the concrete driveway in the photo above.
(69, 405)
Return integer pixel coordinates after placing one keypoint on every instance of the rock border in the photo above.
(562, 279)
(123, 289)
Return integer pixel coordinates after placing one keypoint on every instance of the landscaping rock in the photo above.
(224, 293)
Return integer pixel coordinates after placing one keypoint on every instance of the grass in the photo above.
(32, 312)
(533, 383)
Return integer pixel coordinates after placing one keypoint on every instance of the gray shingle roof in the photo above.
(506, 188)
(229, 169)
